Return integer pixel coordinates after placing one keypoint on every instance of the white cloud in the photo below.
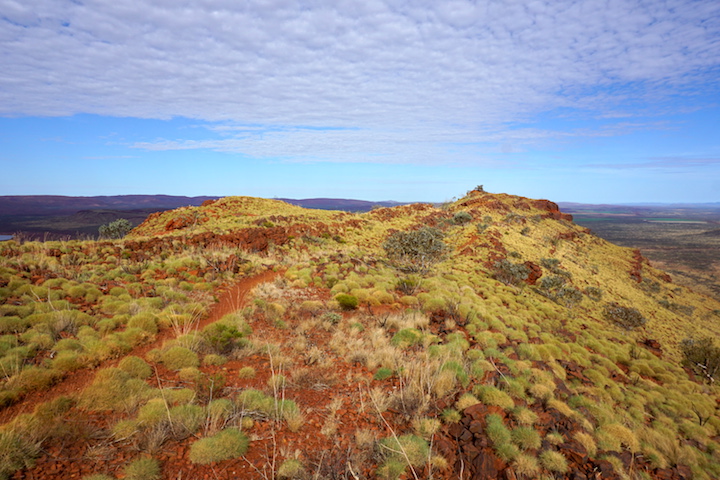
(398, 72)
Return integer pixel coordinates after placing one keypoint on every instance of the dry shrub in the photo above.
(526, 465)
(587, 441)
(219, 412)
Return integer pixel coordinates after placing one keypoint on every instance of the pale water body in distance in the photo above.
(5, 237)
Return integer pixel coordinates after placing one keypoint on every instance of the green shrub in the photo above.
(461, 218)
(221, 337)
(702, 356)
(510, 273)
(225, 445)
(415, 251)
(143, 469)
(107, 325)
(347, 302)
(568, 296)
(176, 358)
(114, 230)
(626, 317)
(594, 293)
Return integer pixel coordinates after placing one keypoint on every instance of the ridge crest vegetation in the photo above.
(490, 337)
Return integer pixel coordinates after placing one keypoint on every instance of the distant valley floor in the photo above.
(682, 240)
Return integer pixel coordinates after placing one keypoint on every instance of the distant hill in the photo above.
(57, 216)
(52, 205)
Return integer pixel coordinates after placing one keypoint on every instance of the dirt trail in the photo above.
(230, 300)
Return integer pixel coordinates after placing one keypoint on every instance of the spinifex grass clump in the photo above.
(179, 357)
(347, 302)
(225, 445)
(143, 469)
(402, 452)
(16, 452)
(114, 389)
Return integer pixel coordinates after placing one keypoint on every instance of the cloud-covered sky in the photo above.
(591, 101)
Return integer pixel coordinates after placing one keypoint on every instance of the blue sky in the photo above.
(597, 102)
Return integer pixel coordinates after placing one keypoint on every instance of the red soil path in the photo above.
(230, 300)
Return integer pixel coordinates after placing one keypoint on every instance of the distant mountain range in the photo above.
(57, 216)
(42, 205)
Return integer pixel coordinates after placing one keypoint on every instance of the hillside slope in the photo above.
(523, 347)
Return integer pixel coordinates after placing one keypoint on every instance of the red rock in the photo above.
(535, 273)
(485, 466)
(476, 412)
(683, 472)
(476, 427)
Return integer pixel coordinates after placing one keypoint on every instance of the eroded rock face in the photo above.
(552, 209)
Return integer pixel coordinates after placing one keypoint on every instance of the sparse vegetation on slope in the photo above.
(517, 338)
